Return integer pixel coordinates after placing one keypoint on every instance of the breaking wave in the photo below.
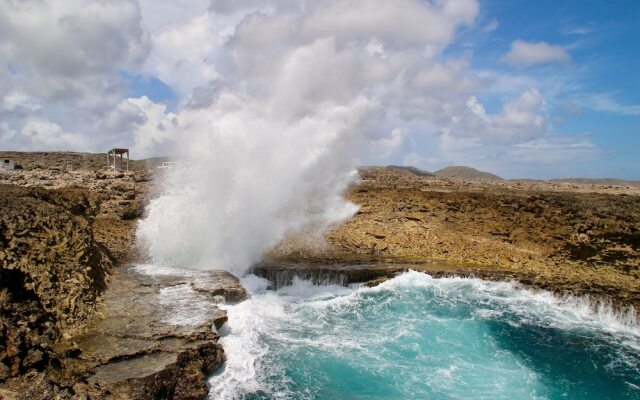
(419, 337)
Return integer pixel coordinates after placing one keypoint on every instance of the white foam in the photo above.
(267, 312)
(181, 305)
(157, 270)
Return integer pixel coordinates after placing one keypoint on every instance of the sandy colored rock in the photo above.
(566, 237)
(51, 272)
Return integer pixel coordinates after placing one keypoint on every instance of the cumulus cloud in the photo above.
(183, 56)
(61, 60)
(519, 120)
(36, 133)
(62, 47)
(388, 145)
(526, 54)
(388, 52)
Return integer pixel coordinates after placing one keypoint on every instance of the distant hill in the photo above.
(466, 173)
(603, 181)
(413, 170)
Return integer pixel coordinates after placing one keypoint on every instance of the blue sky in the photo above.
(596, 94)
(601, 85)
(537, 89)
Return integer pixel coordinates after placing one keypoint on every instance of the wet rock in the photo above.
(219, 318)
(136, 350)
(163, 375)
(221, 284)
(282, 274)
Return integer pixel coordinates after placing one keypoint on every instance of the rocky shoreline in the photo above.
(568, 238)
(79, 321)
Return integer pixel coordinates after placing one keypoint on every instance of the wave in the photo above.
(444, 337)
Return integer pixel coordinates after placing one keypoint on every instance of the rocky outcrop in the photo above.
(51, 272)
(144, 342)
(141, 346)
(281, 274)
(466, 173)
(119, 198)
(569, 238)
(64, 334)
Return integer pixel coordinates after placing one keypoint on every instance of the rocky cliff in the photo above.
(76, 322)
(51, 272)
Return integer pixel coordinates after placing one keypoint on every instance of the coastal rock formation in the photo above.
(51, 272)
(281, 274)
(136, 349)
(467, 173)
(75, 322)
(580, 239)
(65, 336)
(141, 343)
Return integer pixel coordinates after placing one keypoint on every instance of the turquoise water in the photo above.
(415, 337)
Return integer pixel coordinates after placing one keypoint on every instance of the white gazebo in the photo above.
(114, 154)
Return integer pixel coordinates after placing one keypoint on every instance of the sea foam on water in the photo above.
(419, 337)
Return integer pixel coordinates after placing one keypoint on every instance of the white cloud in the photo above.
(18, 101)
(325, 52)
(555, 148)
(39, 132)
(159, 15)
(386, 146)
(491, 26)
(526, 54)
(402, 22)
(519, 120)
(61, 60)
(70, 40)
(183, 56)
(547, 156)
(157, 132)
(605, 102)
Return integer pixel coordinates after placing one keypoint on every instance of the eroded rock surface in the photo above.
(148, 341)
(153, 337)
(51, 272)
(282, 274)
(567, 237)
(64, 335)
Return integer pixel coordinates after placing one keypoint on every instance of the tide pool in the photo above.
(415, 337)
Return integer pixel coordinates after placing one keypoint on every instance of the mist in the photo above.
(269, 147)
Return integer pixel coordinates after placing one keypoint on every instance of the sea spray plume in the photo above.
(253, 170)
(271, 146)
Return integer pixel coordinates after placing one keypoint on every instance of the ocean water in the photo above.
(415, 337)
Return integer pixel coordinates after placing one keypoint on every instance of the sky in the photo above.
(536, 89)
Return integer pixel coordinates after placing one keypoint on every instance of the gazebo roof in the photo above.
(118, 151)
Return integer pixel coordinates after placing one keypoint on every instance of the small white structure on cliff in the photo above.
(7, 163)
(167, 165)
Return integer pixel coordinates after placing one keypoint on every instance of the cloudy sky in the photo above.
(519, 88)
